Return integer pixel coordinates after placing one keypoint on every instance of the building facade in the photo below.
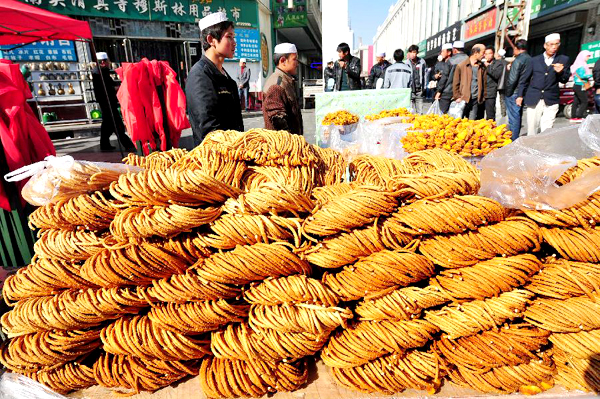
(336, 28)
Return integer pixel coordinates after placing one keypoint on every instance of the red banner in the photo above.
(481, 24)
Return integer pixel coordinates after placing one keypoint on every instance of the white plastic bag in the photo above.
(17, 386)
(346, 133)
(457, 109)
(382, 137)
(523, 174)
(435, 109)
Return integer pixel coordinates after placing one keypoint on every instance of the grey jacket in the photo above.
(398, 76)
(243, 78)
(445, 83)
(417, 83)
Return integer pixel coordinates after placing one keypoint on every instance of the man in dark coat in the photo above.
(516, 86)
(212, 96)
(346, 70)
(378, 72)
(596, 77)
(493, 73)
(444, 90)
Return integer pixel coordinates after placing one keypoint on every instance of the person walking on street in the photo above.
(346, 70)
(542, 94)
(515, 88)
(442, 67)
(502, 82)
(243, 81)
(418, 67)
(493, 73)
(469, 83)
(281, 109)
(398, 75)
(329, 76)
(444, 87)
(212, 97)
(107, 98)
(596, 75)
(581, 84)
(378, 72)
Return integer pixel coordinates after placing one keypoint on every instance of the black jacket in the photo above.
(493, 73)
(445, 83)
(377, 72)
(329, 73)
(101, 95)
(517, 81)
(542, 80)
(352, 70)
(596, 74)
(212, 100)
(441, 67)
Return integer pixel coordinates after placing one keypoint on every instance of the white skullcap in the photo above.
(101, 56)
(501, 52)
(381, 55)
(242, 60)
(285, 48)
(212, 19)
(552, 37)
(447, 46)
(458, 44)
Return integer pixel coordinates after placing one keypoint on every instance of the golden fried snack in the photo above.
(47, 350)
(585, 214)
(139, 336)
(292, 289)
(70, 246)
(574, 373)
(224, 378)
(400, 304)
(461, 320)
(448, 215)
(394, 373)
(187, 188)
(303, 178)
(437, 160)
(487, 278)
(330, 192)
(197, 317)
(240, 342)
(529, 378)
(163, 221)
(300, 317)
(377, 272)
(248, 263)
(65, 378)
(133, 263)
(582, 345)
(576, 171)
(137, 375)
(231, 230)
(214, 164)
(433, 185)
(562, 279)
(568, 316)
(339, 118)
(43, 277)
(92, 211)
(369, 340)
(358, 207)
(332, 166)
(159, 160)
(510, 237)
(575, 243)
(367, 169)
(187, 246)
(511, 345)
(271, 198)
(389, 113)
(71, 310)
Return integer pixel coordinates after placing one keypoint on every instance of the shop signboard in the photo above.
(289, 17)
(247, 44)
(52, 50)
(594, 48)
(543, 7)
(422, 48)
(450, 34)
(242, 12)
(481, 25)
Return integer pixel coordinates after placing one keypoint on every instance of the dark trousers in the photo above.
(445, 104)
(580, 101)
(108, 128)
(515, 116)
(473, 110)
(597, 102)
(490, 108)
(502, 103)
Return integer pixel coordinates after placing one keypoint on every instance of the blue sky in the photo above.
(366, 16)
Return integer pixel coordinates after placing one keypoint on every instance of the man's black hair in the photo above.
(413, 47)
(217, 31)
(521, 44)
(491, 48)
(343, 47)
(277, 57)
(398, 55)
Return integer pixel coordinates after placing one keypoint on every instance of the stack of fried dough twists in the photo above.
(251, 256)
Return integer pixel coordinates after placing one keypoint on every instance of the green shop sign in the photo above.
(543, 7)
(594, 48)
(243, 12)
(422, 48)
(289, 17)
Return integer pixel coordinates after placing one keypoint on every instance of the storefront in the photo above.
(481, 28)
(433, 44)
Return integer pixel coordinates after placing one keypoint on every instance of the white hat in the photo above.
(552, 37)
(242, 60)
(285, 48)
(501, 52)
(381, 55)
(212, 19)
(101, 56)
(447, 46)
(458, 44)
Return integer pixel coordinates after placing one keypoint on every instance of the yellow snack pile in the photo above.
(388, 113)
(340, 118)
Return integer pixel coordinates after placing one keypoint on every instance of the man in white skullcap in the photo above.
(544, 74)
(378, 72)
(243, 81)
(442, 67)
(281, 108)
(212, 96)
(444, 88)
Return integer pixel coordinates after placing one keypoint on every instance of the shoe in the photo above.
(107, 148)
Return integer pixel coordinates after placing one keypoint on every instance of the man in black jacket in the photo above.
(493, 73)
(596, 77)
(444, 87)
(378, 71)
(212, 96)
(516, 86)
(328, 73)
(346, 70)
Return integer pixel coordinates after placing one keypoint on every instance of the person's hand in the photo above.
(438, 75)
(508, 67)
(598, 91)
(342, 64)
(519, 101)
(458, 100)
(439, 95)
(559, 68)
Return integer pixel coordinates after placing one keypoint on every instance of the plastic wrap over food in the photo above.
(382, 137)
(57, 178)
(524, 174)
(17, 386)
(457, 110)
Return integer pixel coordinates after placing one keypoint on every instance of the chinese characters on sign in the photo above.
(247, 44)
(481, 24)
(594, 48)
(448, 35)
(289, 17)
(54, 50)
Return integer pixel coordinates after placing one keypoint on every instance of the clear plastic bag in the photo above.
(435, 109)
(382, 137)
(335, 133)
(457, 109)
(523, 174)
(57, 178)
(17, 386)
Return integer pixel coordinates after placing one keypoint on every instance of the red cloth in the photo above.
(24, 139)
(141, 107)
